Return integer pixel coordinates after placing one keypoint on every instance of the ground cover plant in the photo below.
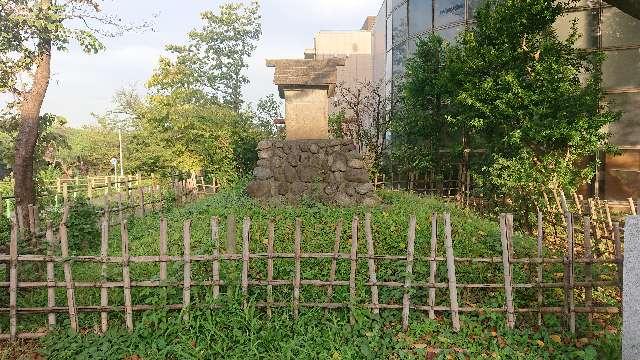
(232, 332)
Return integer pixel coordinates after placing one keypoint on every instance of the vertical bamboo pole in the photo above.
(594, 218)
(632, 206)
(126, 276)
(619, 256)
(546, 202)
(334, 263)
(246, 228)
(215, 266)
(297, 277)
(406, 299)
(231, 234)
(20, 217)
(142, 210)
(433, 266)
(163, 250)
(270, 240)
(605, 227)
(104, 294)
(13, 280)
(65, 192)
(540, 265)
(451, 272)
(354, 267)
(588, 291)
(506, 264)
(578, 203)
(607, 211)
(51, 279)
(569, 278)
(373, 279)
(186, 290)
(32, 220)
(68, 276)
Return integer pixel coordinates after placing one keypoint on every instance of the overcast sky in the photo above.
(84, 84)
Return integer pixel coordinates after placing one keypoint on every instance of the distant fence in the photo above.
(574, 295)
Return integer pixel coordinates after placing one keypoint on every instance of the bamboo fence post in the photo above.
(186, 290)
(163, 250)
(20, 217)
(578, 203)
(354, 266)
(546, 202)
(65, 192)
(594, 218)
(540, 238)
(608, 213)
(215, 266)
(32, 220)
(68, 276)
(373, 279)
(121, 209)
(618, 251)
(270, 240)
(506, 264)
(13, 280)
(600, 206)
(451, 272)
(51, 278)
(142, 210)
(245, 260)
(126, 276)
(231, 234)
(564, 203)
(588, 291)
(297, 277)
(104, 292)
(334, 263)
(433, 266)
(569, 280)
(632, 206)
(406, 299)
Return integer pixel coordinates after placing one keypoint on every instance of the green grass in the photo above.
(232, 332)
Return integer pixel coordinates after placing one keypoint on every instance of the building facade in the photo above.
(401, 23)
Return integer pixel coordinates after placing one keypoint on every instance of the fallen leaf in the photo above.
(419, 346)
(580, 343)
(556, 338)
(540, 343)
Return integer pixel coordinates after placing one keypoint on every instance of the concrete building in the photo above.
(400, 23)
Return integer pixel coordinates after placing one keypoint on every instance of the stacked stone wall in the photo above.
(331, 171)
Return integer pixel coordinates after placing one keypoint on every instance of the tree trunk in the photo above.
(29, 127)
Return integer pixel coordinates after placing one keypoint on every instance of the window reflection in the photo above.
(420, 16)
(448, 11)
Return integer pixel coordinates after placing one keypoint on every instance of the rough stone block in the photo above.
(338, 162)
(356, 164)
(264, 145)
(262, 173)
(259, 189)
(357, 175)
(631, 294)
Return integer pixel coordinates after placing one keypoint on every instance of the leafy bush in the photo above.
(83, 226)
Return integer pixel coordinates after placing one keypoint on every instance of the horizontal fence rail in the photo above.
(578, 254)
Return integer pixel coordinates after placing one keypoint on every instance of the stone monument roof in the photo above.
(306, 72)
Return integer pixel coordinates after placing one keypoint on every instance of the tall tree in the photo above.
(217, 53)
(30, 31)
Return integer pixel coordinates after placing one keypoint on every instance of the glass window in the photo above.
(396, 3)
(448, 11)
(389, 33)
(622, 69)
(473, 6)
(626, 132)
(587, 26)
(450, 33)
(399, 58)
(400, 24)
(420, 16)
(619, 29)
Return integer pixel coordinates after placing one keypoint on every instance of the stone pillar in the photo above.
(631, 294)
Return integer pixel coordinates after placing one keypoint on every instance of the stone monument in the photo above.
(308, 163)
(631, 290)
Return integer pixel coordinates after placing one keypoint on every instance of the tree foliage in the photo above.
(511, 86)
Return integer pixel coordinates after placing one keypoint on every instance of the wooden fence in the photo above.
(574, 258)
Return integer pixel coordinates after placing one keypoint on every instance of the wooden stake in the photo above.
(588, 291)
(104, 292)
(186, 290)
(142, 210)
(13, 279)
(506, 264)
(296, 280)
(51, 278)
(231, 234)
(406, 299)
(619, 255)
(569, 280)
(354, 268)
(126, 276)
(163, 250)
(373, 279)
(632, 206)
(578, 203)
(68, 276)
(245, 259)
(433, 266)
(540, 266)
(451, 271)
(215, 266)
(270, 240)
(334, 263)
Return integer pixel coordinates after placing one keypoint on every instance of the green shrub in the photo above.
(83, 226)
